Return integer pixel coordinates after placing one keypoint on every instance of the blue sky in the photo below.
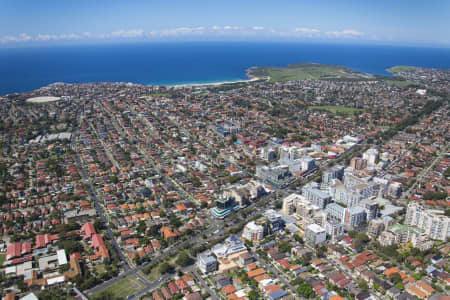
(410, 22)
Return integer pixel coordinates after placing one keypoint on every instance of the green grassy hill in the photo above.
(304, 71)
(398, 69)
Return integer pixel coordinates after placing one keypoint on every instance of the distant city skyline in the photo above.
(24, 23)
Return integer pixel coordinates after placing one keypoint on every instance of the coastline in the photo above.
(160, 68)
(250, 79)
(213, 83)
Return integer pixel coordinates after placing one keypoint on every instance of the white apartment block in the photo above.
(434, 224)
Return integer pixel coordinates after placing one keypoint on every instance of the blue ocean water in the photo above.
(24, 69)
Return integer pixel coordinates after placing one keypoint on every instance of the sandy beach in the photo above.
(216, 83)
(43, 99)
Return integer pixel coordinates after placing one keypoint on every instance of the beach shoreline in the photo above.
(250, 79)
(215, 83)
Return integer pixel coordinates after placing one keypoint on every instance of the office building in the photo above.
(399, 233)
(207, 262)
(395, 189)
(328, 176)
(268, 153)
(253, 231)
(358, 163)
(278, 176)
(335, 211)
(314, 234)
(290, 203)
(355, 216)
(371, 155)
(316, 196)
(225, 205)
(334, 229)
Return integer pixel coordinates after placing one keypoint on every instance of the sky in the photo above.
(396, 22)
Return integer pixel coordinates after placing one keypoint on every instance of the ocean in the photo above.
(25, 69)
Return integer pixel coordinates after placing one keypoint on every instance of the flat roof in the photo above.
(62, 258)
(315, 228)
(58, 279)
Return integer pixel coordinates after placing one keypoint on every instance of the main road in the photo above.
(101, 213)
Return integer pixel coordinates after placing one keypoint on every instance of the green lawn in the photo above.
(400, 82)
(2, 259)
(161, 94)
(306, 71)
(123, 288)
(100, 268)
(397, 69)
(348, 111)
(154, 274)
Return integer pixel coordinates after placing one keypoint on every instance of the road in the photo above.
(153, 285)
(189, 243)
(135, 271)
(425, 172)
(94, 197)
(203, 283)
(277, 274)
(101, 214)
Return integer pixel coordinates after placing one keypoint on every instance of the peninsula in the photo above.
(302, 71)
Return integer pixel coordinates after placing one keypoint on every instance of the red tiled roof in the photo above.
(88, 230)
(14, 250)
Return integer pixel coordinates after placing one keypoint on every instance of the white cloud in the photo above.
(70, 36)
(177, 32)
(304, 30)
(228, 27)
(23, 37)
(133, 33)
(45, 37)
(57, 37)
(227, 30)
(346, 33)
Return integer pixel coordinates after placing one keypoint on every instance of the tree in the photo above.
(252, 295)
(352, 233)
(321, 251)
(107, 295)
(99, 225)
(360, 241)
(447, 172)
(175, 221)
(154, 230)
(284, 247)
(183, 259)
(141, 227)
(70, 246)
(299, 239)
(164, 268)
(54, 294)
(305, 290)
(363, 286)
(400, 286)
(249, 243)
(395, 278)
(21, 284)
